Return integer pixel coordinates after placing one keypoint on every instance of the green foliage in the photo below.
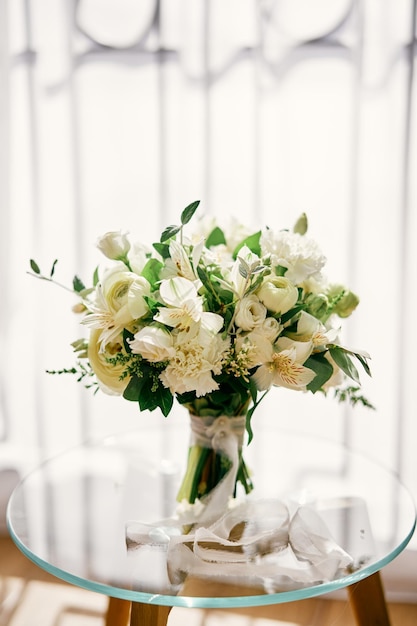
(35, 267)
(252, 242)
(215, 238)
(342, 358)
(322, 368)
(151, 272)
(186, 216)
(188, 212)
(352, 395)
(83, 372)
(78, 284)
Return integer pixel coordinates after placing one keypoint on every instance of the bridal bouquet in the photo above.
(213, 318)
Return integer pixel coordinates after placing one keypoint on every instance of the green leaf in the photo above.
(151, 399)
(364, 363)
(251, 411)
(165, 400)
(188, 212)
(95, 277)
(215, 238)
(127, 335)
(342, 359)
(252, 242)
(323, 370)
(291, 313)
(78, 284)
(133, 389)
(162, 249)
(35, 266)
(151, 271)
(52, 272)
(280, 270)
(169, 232)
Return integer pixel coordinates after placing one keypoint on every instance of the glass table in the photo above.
(69, 517)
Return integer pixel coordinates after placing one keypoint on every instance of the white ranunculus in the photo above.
(278, 294)
(249, 312)
(108, 375)
(123, 292)
(153, 343)
(114, 245)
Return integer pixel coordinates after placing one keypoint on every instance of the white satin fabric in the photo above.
(267, 543)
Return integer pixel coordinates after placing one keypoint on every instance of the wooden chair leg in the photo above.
(368, 602)
(118, 612)
(149, 614)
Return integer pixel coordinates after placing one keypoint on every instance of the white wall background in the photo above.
(115, 115)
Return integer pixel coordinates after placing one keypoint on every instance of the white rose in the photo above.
(250, 312)
(278, 294)
(114, 245)
(153, 343)
(270, 328)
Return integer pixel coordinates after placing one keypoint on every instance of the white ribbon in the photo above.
(277, 547)
(225, 435)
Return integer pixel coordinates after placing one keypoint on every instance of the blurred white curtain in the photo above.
(116, 114)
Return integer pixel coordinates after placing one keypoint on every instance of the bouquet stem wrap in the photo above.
(215, 461)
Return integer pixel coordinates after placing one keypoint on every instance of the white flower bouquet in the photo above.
(213, 319)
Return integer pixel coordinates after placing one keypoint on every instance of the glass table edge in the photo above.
(281, 597)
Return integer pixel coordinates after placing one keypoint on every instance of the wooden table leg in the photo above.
(118, 612)
(368, 602)
(149, 614)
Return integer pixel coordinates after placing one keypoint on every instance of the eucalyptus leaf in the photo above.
(188, 212)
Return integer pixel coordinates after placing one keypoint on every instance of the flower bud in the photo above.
(278, 294)
(347, 302)
(114, 245)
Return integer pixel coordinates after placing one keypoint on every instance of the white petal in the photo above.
(174, 291)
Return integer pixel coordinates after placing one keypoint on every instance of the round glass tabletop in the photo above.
(69, 516)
